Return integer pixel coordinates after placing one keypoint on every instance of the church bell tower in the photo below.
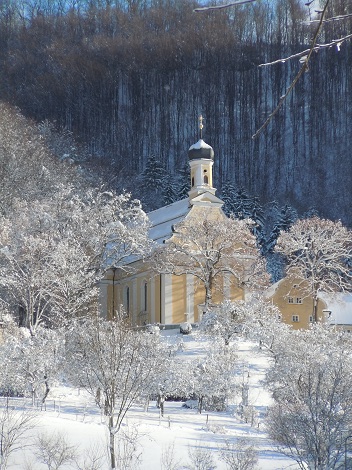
(201, 160)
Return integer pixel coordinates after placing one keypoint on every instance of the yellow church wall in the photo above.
(156, 305)
(138, 314)
(215, 213)
(178, 299)
(236, 293)
(199, 297)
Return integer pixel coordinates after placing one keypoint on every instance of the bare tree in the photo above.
(128, 448)
(317, 253)
(116, 365)
(240, 455)
(212, 248)
(168, 460)
(312, 389)
(14, 424)
(93, 459)
(54, 451)
(201, 458)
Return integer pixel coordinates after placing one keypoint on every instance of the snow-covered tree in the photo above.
(210, 247)
(214, 378)
(53, 254)
(153, 175)
(30, 364)
(14, 424)
(255, 318)
(168, 190)
(240, 455)
(311, 383)
(242, 204)
(228, 195)
(316, 251)
(115, 364)
(28, 170)
(286, 218)
(54, 451)
(184, 179)
(226, 321)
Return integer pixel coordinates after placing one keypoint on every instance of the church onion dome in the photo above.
(200, 150)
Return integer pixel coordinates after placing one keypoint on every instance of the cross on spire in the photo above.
(200, 119)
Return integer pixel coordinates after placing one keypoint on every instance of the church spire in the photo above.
(201, 160)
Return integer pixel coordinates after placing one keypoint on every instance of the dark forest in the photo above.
(129, 79)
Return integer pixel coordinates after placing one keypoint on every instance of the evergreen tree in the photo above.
(257, 215)
(153, 175)
(184, 179)
(169, 190)
(242, 204)
(228, 195)
(287, 217)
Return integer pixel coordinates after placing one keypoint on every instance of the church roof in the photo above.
(200, 150)
(163, 219)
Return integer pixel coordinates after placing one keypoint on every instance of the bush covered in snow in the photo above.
(185, 328)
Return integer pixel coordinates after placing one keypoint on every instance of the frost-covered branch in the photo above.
(225, 5)
(333, 18)
(303, 69)
(303, 54)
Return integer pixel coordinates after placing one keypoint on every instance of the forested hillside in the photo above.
(130, 78)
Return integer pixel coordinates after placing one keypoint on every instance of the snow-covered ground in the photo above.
(74, 414)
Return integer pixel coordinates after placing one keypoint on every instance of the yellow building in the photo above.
(296, 309)
(148, 297)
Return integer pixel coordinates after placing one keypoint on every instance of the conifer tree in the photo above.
(257, 215)
(168, 190)
(242, 204)
(153, 175)
(184, 178)
(287, 217)
(228, 195)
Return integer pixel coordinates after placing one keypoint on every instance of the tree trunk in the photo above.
(112, 443)
(208, 293)
(200, 404)
(315, 309)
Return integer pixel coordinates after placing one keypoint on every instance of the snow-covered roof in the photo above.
(270, 291)
(200, 145)
(340, 306)
(164, 218)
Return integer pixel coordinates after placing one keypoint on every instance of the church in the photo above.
(150, 297)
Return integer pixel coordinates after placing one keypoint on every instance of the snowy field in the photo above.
(73, 414)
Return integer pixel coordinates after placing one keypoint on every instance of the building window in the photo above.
(145, 296)
(295, 318)
(311, 319)
(206, 179)
(295, 300)
(192, 181)
(127, 300)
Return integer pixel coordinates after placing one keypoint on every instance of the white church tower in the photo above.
(201, 160)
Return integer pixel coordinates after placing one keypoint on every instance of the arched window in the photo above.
(192, 181)
(127, 300)
(145, 296)
(206, 179)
